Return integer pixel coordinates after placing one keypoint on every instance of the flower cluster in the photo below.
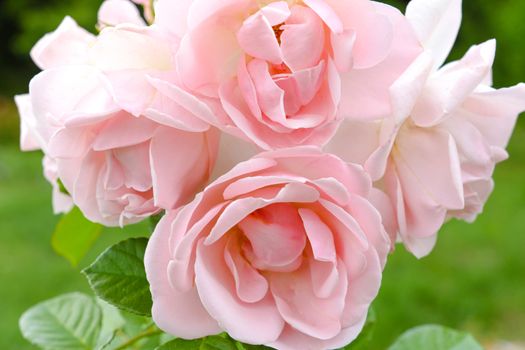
(290, 143)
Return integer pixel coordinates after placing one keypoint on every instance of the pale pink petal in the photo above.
(362, 290)
(55, 93)
(192, 104)
(244, 186)
(276, 12)
(30, 140)
(180, 163)
(475, 152)
(206, 61)
(165, 111)
(84, 186)
(70, 142)
(114, 12)
(366, 91)
(319, 235)
(172, 16)
(251, 286)
(384, 205)
(447, 89)
(373, 30)
(135, 177)
(407, 89)
(334, 189)
(343, 46)
(302, 39)
(347, 220)
(419, 216)
(245, 168)
(276, 235)
(301, 309)
(324, 276)
(352, 133)
(239, 209)
(183, 245)
(131, 91)
(201, 11)
(124, 130)
(269, 95)
(130, 48)
(327, 14)
(476, 195)
(440, 179)
(436, 24)
(68, 44)
(180, 314)
(312, 163)
(257, 39)
(494, 112)
(370, 220)
(381, 33)
(247, 89)
(292, 339)
(217, 291)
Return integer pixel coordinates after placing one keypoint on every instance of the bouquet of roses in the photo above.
(285, 146)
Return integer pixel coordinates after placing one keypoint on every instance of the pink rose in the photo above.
(284, 250)
(435, 155)
(285, 73)
(122, 151)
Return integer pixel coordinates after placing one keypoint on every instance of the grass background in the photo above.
(474, 280)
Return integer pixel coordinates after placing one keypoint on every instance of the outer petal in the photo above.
(57, 94)
(114, 12)
(30, 140)
(180, 163)
(494, 112)
(174, 312)
(366, 92)
(68, 44)
(447, 89)
(436, 24)
(418, 216)
(440, 179)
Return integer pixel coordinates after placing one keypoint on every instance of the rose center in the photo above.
(274, 238)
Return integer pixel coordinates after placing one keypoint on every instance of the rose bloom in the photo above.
(121, 150)
(285, 249)
(435, 155)
(285, 73)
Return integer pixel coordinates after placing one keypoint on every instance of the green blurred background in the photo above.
(474, 280)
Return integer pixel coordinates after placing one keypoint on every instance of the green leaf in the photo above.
(74, 236)
(118, 276)
(216, 342)
(137, 332)
(433, 337)
(68, 322)
(364, 338)
(112, 322)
